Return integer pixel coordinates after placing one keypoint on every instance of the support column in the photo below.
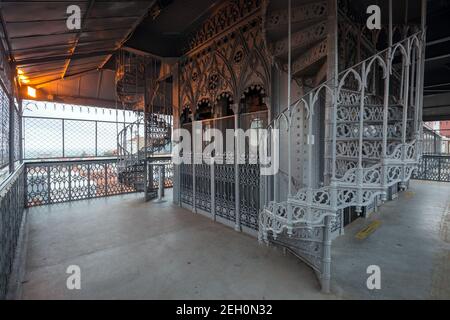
(405, 122)
(176, 105)
(12, 115)
(237, 157)
(20, 130)
(422, 72)
(326, 258)
(145, 163)
(386, 107)
(360, 175)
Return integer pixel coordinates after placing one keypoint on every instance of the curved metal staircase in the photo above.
(371, 141)
(137, 79)
(133, 151)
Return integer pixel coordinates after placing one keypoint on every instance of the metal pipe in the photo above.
(289, 95)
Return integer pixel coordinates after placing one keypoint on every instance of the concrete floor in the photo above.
(411, 247)
(128, 249)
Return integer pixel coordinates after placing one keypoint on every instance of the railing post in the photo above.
(70, 181)
(49, 194)
(96, 139)
(89, 179)
(160, 182)
(63, 142)
(106, 178)
(213, 189)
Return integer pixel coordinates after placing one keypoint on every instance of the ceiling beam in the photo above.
(437, 58)
(130, 32)
(64, 57)
(77, 39)
(438, 41)
(31, 36)
(437, 85)
(77, 74)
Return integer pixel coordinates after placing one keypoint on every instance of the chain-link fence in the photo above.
(56, 138)
(436, 141)
(4, 128)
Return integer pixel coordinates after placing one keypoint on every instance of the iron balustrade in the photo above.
(433, 168)
(63, 181)
(11, 216)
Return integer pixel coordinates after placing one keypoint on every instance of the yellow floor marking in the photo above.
(409, 194)
(364, 233)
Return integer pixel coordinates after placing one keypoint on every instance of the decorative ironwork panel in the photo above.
(168, 174)
(11, 214)
(307, 244)
(203, 187)
(186, 183)
(249, 195)
(433, 168)
(225, 191)
(56, 182)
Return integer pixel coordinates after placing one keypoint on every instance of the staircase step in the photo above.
(301, 39)
(309, 58)
(303, 13)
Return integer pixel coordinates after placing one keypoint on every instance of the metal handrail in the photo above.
(329, 82)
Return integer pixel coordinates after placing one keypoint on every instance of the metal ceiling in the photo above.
(45, 50)
(437, 63)
(171, 29)
(48, 53)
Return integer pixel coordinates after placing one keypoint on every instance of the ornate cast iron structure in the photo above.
(351, 130)
(225, 84)
(140, 88)
(370, 142)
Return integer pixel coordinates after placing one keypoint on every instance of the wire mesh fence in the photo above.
(55, 138)
(436, 141)
(4, 127)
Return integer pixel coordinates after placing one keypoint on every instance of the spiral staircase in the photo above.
(372, 134)
(150, 134)
(134, 149)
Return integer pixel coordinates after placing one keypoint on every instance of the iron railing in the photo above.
(433, 168)
(225, 188)
(64, 181)
(55, 138)
(11, 215)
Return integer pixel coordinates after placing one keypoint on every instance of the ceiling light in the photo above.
(31, 92)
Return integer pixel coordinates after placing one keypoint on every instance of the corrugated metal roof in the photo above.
(45, 49)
